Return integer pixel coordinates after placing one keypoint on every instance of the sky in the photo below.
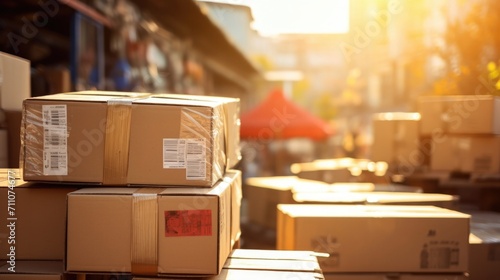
(274, 17)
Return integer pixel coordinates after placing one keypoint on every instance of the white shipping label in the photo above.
(55, 140)
(189, 154)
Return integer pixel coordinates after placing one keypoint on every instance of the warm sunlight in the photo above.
(298, 16)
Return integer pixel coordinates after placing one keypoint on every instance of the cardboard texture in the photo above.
(13, 119)
(472, 154)
(34, 270)
(152, 231)
(396, 138)
(459, 114)
(190, 142)
(264, 194)
(484, 250)
(38, 219)
(378, 238)
(15, 85)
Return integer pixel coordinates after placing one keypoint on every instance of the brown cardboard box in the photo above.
(151, 231)
(38, 219)
(395, 138)
(15, 83)
(33, 270)
(477, 154)
(461, 114)
(58, 79)
(233, 177)
(263, 194)
(126, 139)
(484, 250)
(377, 238)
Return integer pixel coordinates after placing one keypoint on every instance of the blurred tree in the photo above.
(472, 42)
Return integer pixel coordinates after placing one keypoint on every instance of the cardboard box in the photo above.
(459, 114)
(263, 194)
(379, 198)
(127, 139)
(377, 238)
(36, 224)
(150, 231)
(15, 85)
(234, 178)
(394, 276)
(484, 250)
(395, 138)
(33, 270)
(472, 154)
(268, 264)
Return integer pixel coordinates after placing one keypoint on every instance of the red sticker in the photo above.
(188, 223)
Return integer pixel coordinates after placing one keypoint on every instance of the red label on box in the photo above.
(188, 223)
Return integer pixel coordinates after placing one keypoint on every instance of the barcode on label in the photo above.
(55, 162)
(189, 154)
(54, 115)
(196, 159)
(174, 153)
(54, 137)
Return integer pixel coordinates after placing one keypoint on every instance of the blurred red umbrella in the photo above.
(279, 118)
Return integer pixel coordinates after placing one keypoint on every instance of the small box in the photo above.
(484, 250)
(15, 84)
(396, 138)
(150, 231)
(34, 226)
(377, 238)
(471, 154)
(129, 139)
(459, 114)
(33, 270)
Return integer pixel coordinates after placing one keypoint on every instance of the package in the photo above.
(459, 114)
(268, 264)
(484, 250)
(34, 227)
(341, 170)
(14, 81)
(150, 231)
(377, 238)
(33, 270)
(263, 194)
(471, 154)
(396, 138)
(127, 139)
(379, 197)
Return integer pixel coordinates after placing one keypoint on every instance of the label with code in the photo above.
(189, 154)
(55, 146)
(188, 223)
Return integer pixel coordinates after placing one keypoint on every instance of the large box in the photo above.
(459, 114)
(378, 238)
(128, 139)
(471, 154)
(484, 250)
(34, 227)
(396, 138)
(34, 270)
(15, 85)
(150, 231)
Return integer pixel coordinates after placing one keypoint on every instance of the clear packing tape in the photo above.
(60, 136)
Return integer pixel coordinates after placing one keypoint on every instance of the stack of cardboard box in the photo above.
(127, 183)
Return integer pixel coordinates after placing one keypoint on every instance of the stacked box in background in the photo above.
(378, 239)
(396, 140)
(464, 132)
(153, 189)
